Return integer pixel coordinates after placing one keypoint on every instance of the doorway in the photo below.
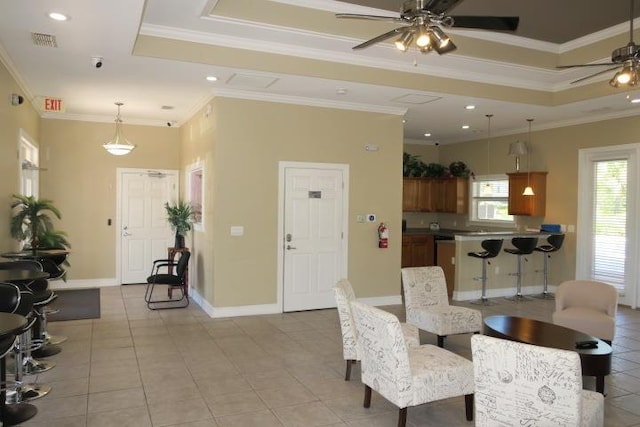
(607, 242)
(312, 233)
(143, 233)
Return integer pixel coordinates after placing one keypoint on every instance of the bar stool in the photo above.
(523, 246)
(554, 243)
(491, 250)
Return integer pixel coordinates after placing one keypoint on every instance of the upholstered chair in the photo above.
(407, 376)
(427, 304)
(520, 384)
(344, 296)
(587, 306)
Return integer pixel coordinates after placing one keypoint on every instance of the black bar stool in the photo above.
(523, 246)
(491, 250)
(554, 243)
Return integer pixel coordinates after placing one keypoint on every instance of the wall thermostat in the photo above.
(371, 217)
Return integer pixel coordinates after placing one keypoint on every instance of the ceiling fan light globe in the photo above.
(623, 78)
(423, 40)
(404, 42)
(439, 37)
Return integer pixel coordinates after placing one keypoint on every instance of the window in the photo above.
(490, 200)
(29, 169)
(195, 191)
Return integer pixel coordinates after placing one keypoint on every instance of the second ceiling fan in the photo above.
(423, 20)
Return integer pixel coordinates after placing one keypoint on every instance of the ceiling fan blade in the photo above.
(496, 23)
(450, 47)
(369, 17)
(381, 37)
(595, 74)
(600, 64)
(438, 7)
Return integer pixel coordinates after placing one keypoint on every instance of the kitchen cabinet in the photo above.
(527, 205)
(417, 250)
(448, 195)
(446, 250)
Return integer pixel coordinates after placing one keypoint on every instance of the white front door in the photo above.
(314, 238)
(145, 234)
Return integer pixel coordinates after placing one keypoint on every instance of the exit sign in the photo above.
(52, 105)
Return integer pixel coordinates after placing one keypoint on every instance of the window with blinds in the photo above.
(609, 226)
(490, 200)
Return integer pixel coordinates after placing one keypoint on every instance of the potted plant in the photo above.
(31, 222)
(180, 217)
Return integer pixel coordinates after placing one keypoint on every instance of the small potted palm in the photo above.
(180, 217)
(31, 223)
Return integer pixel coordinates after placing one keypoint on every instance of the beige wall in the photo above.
(250, 138)
(81, 180)
(12, 119)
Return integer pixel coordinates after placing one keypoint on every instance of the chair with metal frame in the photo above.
(491, 250)
(172, 281)
(554, 243)
(523, 246)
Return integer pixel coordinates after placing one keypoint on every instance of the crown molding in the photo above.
(310, 102)
(106, 119)
(13, 71)
(338, 7)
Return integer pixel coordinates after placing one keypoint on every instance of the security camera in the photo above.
(96, 61)
(169, 124)
(436, 144)
(16, 99)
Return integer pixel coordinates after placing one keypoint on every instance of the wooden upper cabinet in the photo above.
(527, 205)
(410, 194)
(435, 195)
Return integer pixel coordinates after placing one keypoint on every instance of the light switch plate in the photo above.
(237, 230)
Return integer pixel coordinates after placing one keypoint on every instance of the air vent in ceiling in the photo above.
(251, 81)
(416, 98)
(45, 40)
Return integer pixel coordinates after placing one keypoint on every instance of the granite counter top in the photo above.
(475, 235)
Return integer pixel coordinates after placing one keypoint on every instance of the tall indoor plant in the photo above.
(31, 222)
(180, 217)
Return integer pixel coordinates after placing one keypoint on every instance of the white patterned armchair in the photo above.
(344, 294)
(520, 384)
(427, 304)
(407, 376)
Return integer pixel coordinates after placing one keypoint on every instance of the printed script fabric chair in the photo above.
(587, 306)
(520, 384)
(174, 276)
(344, 296)
(407, 376)
(427, 304)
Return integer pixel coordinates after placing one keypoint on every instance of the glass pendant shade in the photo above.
(119, 145)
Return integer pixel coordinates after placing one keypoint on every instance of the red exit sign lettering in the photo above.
(52, 105)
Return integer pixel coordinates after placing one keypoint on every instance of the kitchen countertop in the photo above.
(474, 235)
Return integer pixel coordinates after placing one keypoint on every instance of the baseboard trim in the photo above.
(83, 283)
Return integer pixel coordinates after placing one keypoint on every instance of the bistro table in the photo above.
(595, 361)
(17, 413)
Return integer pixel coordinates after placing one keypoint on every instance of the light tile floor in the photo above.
(135, 367)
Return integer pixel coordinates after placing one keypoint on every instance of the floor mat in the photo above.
(75, 304)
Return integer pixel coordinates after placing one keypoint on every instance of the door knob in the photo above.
(289, 247)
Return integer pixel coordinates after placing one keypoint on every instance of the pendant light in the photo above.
(488, 116)
(528, 191)
(118, 146)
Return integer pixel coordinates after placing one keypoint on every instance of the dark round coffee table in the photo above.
(596, 362)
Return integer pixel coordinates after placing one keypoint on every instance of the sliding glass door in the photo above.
(607, 222)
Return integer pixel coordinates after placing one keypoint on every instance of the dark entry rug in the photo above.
(75, 304)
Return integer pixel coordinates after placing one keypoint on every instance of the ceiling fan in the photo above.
(628, 56)
(423, 19)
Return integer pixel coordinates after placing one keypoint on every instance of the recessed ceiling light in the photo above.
(427, 134)
(57, 16)
(470, 107)
(341, 91)
(404, 120)
(465, 126)
(212, 78)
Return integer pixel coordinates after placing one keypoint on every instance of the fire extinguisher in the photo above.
(383, 236)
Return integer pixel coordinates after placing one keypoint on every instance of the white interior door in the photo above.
(145, 234)
(314, 242)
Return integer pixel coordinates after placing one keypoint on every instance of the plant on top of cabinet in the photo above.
(460, 169)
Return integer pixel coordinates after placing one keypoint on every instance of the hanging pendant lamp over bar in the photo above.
(119, 146)
(528, 191)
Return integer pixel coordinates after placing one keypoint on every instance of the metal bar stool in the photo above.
(523, 246)
(554, 243)
(491, 250)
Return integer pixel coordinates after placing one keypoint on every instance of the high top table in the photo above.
(12, 324)
(596, 362)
